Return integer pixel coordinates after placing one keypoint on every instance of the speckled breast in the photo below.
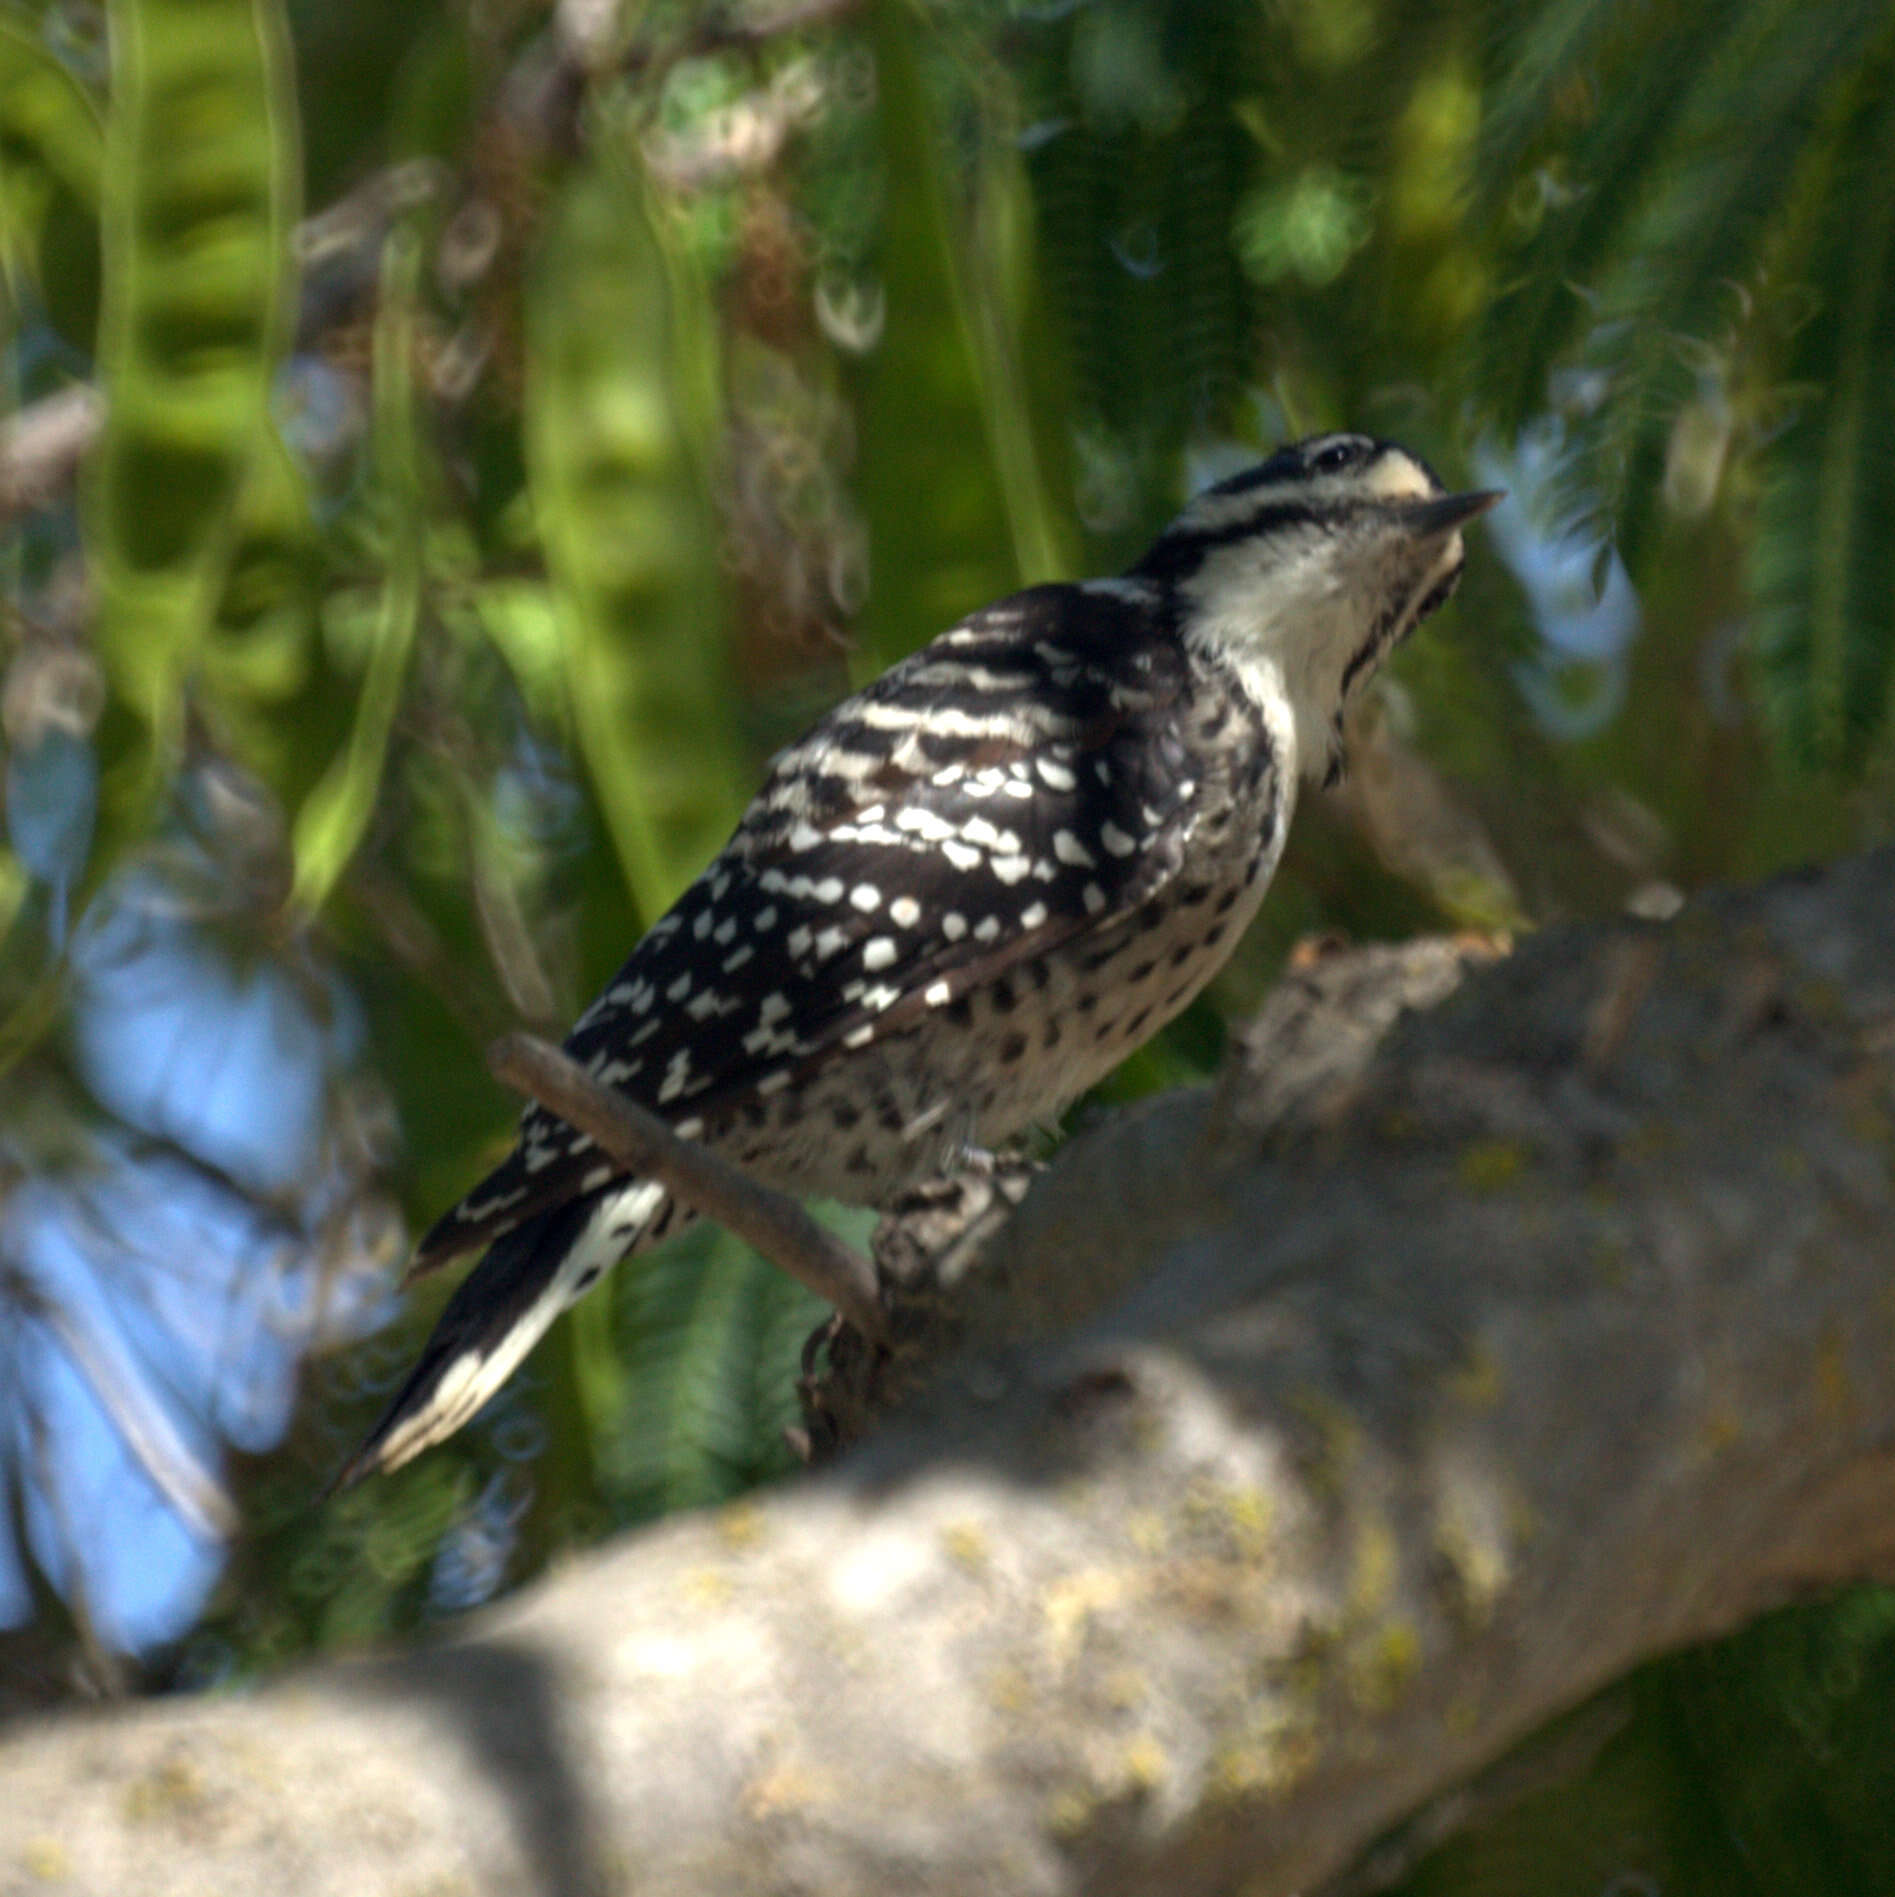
(1015, 1051)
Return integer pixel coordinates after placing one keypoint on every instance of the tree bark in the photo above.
(1310, 1441)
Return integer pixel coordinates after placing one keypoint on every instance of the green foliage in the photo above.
(1761, 1765)
(931, 423)
(256, 659)
(330, 825)
(1823, 559)
(709, 1342)
(622, 514)
(50, 144)
(1144, 162)
(1698, 201)
(197, 201)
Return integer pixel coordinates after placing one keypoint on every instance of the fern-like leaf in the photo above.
(1823, 559)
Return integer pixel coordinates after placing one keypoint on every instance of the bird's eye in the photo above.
(1337, 456)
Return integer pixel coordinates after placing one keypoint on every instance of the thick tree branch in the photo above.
(1326, 1438)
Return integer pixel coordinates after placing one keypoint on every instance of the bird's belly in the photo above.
(1011, 1054)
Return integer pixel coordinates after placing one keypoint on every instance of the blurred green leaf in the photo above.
(1570, 155)
(14, 884)
(629, 538)
(521, 617)
(257, 659)
(929, 409)
(335, 815)
(708, 1340)
(199, 196)
(50, 140)
(1689, 181)
(1025, 393)
(1823, 558)
(1143, 128)
(1669, 301)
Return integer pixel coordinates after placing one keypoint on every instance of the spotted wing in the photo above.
(1020, 780)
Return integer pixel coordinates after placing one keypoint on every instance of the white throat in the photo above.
(1289, 625)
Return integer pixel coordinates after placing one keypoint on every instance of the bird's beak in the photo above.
(1430, 520)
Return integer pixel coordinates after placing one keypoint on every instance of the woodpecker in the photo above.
(970, 890)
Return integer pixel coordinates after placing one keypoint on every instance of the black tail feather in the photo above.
(497, 1313)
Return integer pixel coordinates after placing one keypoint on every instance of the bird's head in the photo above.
(1307, 570)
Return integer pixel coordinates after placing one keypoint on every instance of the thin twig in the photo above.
(638, 1140)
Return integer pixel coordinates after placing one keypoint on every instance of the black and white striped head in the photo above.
(1307, 570)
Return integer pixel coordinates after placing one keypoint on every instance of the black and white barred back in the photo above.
(970, 890)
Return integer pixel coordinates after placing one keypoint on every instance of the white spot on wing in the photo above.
(924, 823)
